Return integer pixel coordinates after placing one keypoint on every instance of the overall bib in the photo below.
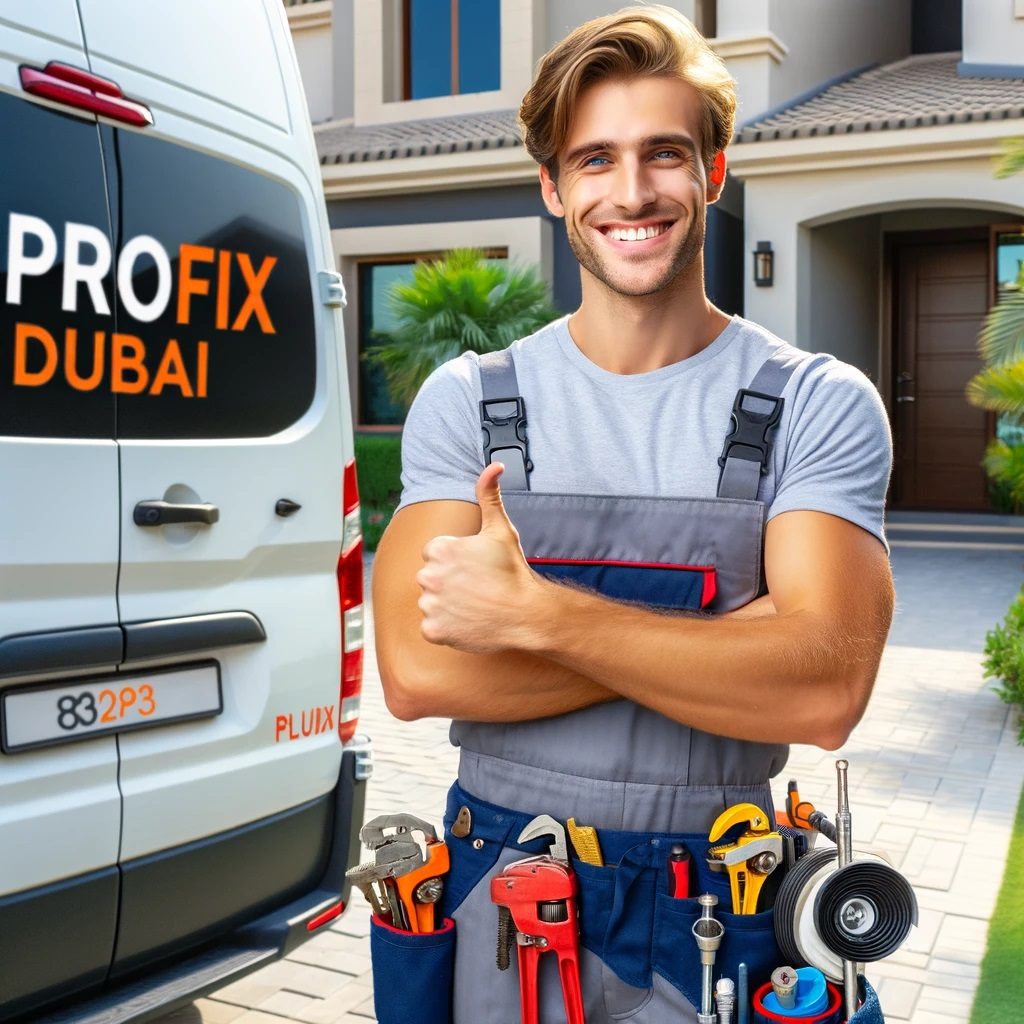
(642, 780)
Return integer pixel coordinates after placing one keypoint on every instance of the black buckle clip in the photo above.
(503, 421)
(749, 439)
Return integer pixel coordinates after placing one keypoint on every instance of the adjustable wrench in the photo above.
(749, 860)
(408, 877)
(536, 900)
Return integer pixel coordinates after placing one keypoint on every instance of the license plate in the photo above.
(67, 711)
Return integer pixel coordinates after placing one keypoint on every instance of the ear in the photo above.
(716, 176)
(549, 193)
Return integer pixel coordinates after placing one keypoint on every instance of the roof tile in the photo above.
(920, 90)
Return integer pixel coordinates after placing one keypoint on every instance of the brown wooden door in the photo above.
(942, 294)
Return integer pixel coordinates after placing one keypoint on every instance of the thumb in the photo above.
(493, 516)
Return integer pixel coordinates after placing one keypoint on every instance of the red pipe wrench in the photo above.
(536, 901)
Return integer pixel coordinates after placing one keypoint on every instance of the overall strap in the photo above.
(755, 416)
(503, 420)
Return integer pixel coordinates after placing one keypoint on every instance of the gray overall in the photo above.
(620, 767)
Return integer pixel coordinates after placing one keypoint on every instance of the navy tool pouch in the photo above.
(412, 973)
(627, 917)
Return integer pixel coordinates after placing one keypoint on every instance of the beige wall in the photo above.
(789, 209)
(311, 36)
(994, 32)
(826, 38)
(843, 291)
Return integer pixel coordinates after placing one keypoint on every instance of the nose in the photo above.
(632, 189)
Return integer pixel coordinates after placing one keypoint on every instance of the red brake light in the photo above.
(350, 606)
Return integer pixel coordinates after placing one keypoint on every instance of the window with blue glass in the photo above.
(452, 47)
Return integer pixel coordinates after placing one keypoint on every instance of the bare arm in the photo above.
(802, 674)
(423, 679)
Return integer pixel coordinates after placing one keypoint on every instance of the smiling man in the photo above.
(688, 571)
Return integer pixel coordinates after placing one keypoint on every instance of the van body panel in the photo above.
(59, 806)
(177, 60)
(199, 369)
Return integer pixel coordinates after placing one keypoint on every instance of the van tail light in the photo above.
(350, 604)
(76, 87)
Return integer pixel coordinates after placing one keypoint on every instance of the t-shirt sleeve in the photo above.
(839, 450)
(442, 453)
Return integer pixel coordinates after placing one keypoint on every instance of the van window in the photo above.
(52, 198)
(214, 302)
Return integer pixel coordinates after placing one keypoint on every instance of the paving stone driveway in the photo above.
(935, 774)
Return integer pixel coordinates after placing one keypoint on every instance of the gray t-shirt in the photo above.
(658, 433)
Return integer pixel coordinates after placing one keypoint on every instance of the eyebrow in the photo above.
(600, 145)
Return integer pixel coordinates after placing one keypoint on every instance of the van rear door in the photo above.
(59, 522)
(230, 411)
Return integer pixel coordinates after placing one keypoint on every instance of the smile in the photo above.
(637, 233)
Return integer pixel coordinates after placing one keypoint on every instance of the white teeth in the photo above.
(635, 234)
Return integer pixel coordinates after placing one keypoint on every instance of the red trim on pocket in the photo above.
(449, 924)
(708, 592)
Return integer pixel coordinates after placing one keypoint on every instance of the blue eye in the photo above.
(591, 161)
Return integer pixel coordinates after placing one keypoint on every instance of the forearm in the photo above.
(777, 678)
(428, 681)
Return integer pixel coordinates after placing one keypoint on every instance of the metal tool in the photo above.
(585, 842)
(708, 932)
(725, 999)
(536, 900)
(844, 846)
(404, 880)
(750, 859)
(743, 994)
(784, 981)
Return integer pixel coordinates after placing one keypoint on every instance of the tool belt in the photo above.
(627, 918)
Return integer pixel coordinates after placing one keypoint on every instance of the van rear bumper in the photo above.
(161, 986)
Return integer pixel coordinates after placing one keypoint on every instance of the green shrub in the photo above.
(1004, 657)
(379, 468)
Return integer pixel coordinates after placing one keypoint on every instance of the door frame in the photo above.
(892, 242)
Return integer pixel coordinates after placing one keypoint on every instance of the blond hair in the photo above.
(635, 41)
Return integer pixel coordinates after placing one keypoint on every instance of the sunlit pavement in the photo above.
(935, 775)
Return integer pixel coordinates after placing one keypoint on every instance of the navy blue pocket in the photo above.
(412, 973)
(747, 938)
(870, 1011)
(654, 584)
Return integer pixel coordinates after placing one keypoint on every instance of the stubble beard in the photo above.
(592, 261)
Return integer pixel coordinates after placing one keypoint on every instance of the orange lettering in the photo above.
(254, 303)
(23, 376)
(119, 362)
(202, 361)
(171, 371)
(223, 288)
(187, 284)
(79, 383)
(280, 724)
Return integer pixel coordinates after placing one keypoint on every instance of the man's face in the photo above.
(630, 167)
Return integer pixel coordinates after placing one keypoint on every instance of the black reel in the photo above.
(864, 911)
(787, 900)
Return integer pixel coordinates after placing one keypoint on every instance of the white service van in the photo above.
(181, 785)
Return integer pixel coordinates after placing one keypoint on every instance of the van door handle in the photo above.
(166, 513)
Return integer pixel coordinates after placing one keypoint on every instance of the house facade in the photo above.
(862, 169)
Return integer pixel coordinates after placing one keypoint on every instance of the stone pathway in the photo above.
(935, 775)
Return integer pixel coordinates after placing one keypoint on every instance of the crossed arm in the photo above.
(466, 629)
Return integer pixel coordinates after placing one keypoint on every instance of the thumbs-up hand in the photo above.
(476, 590)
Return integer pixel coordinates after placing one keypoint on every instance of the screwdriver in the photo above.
(679, 872)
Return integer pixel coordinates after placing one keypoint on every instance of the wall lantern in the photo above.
(764, 265)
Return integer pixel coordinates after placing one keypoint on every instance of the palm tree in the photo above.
(1000, 386)
(459, 303)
